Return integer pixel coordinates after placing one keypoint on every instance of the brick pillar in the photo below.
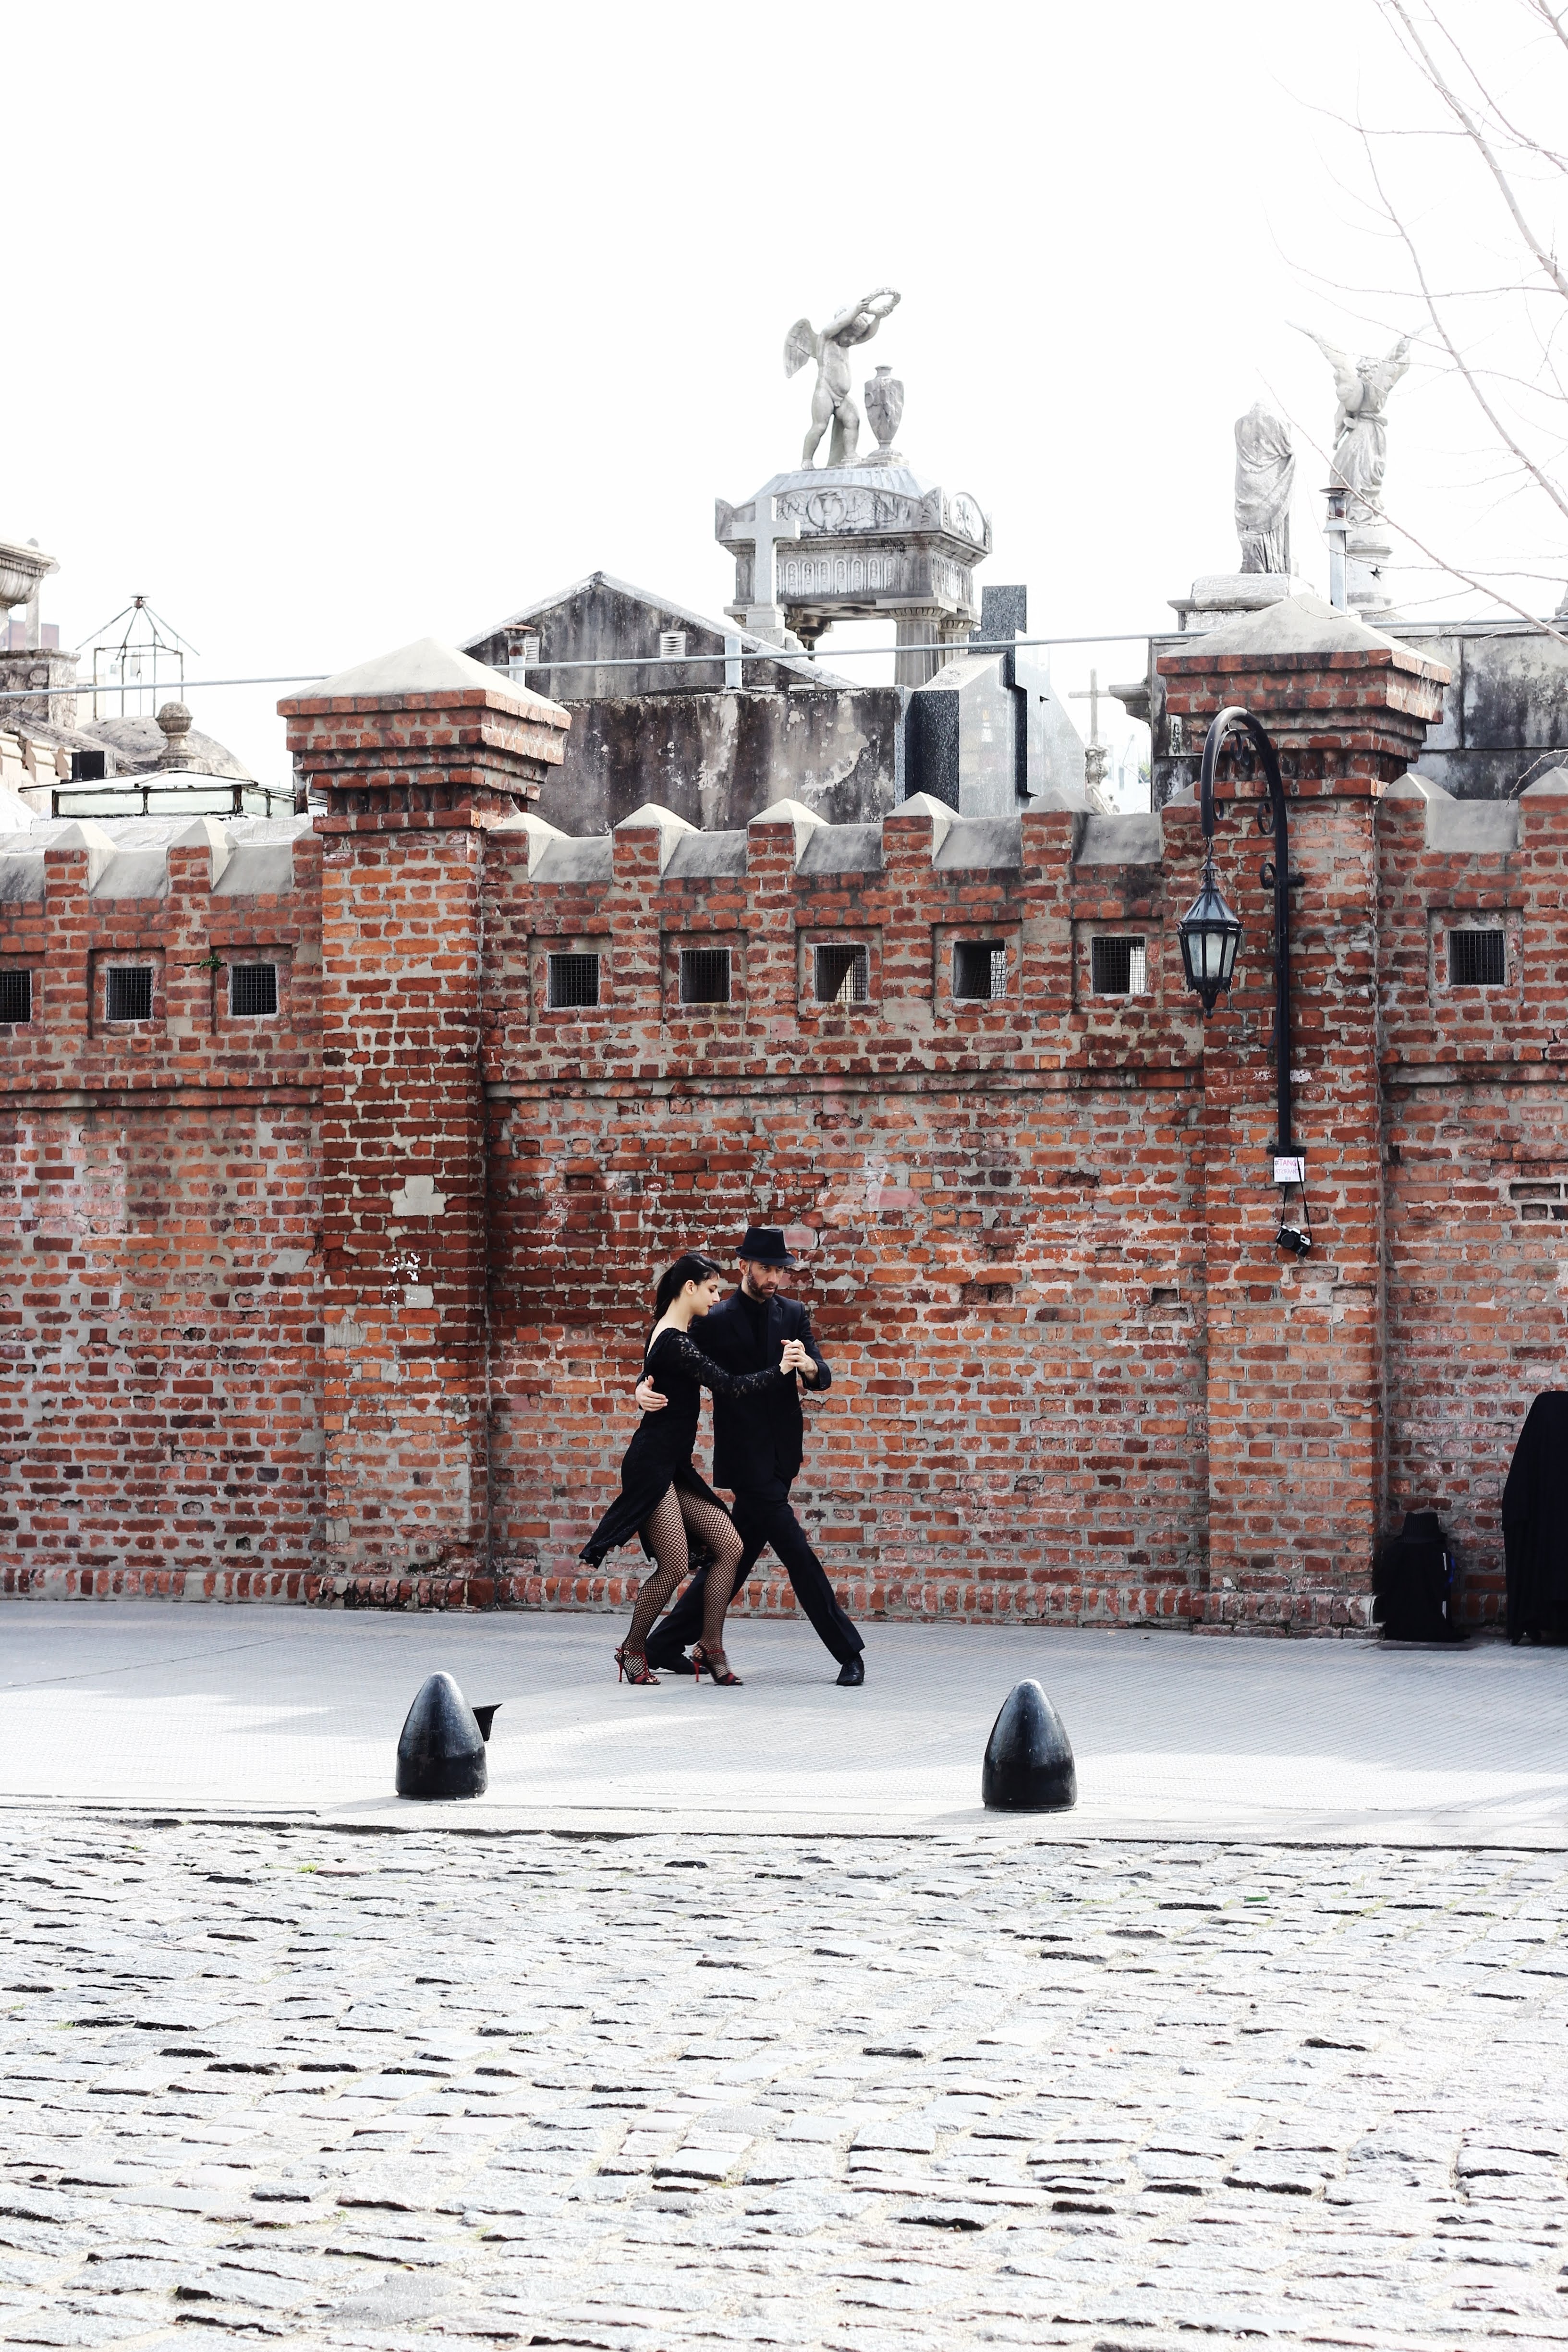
(419, 755)
(1297, 1477)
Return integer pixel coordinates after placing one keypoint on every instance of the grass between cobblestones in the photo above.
(306, 2087)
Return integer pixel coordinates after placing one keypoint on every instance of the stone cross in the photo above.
(1096, 757)
(764, 534)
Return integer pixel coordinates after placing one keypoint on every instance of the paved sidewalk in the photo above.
(316, 2089)
(291, 1711)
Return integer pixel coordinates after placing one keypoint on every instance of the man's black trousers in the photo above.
(763, 1516)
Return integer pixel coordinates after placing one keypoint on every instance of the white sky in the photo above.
(346, 324)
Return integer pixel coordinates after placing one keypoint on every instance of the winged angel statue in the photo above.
(830, 401)
(1360, 427)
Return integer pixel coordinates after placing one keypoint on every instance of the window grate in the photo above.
(979, 969)
(573, 983)
(1119, 967)
(128, 993)
(842, 975)
(15, 995)
(705, 975)
(671, 644)
(1477, 960)
(252, 990)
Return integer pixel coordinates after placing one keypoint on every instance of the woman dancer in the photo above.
(662, 1498)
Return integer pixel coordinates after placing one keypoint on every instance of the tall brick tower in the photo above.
(1296, 1370)
(421, 754)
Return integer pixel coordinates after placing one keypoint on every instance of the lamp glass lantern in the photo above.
(1210, 933)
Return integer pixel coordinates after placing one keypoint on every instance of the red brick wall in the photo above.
(1476, 1152)
(1295, 1350)
(1074, 1378)
(414, 781)
(160, 1266)
(997, 1216)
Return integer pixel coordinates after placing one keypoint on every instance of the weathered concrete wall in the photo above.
(1505, 712)
(717, 758)
(681, 734)
(1504, 718)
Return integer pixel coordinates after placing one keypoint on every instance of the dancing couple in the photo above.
(755, 1350)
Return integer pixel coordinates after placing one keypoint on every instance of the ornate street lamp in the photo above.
(1210, 931)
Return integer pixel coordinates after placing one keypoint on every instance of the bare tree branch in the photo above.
(1439, 562)
(1536, 473)
(1553, 24)
(1546, 260)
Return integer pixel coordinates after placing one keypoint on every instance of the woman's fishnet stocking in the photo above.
(666, 1527)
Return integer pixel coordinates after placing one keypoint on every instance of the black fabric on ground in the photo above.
(1535, 1523)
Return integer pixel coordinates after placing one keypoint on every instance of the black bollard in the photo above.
(441, 1752)
(1028, 1765)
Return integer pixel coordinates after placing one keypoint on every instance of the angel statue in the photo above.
(1360, 429)
(1264, 478)
(830, 401)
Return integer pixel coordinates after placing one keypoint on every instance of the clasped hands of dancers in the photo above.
(756, 1348)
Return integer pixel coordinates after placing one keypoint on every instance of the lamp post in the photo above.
(1210, 931)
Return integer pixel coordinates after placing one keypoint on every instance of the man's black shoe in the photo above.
(673, 1662)
(852, 1674)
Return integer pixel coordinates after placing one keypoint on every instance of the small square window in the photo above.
(1477, 960)
(843, 975)
(128, 993)
(705, 975)
(979, 969)
(252, 990)
(573, 983)
(15, 995)
(1118, 967)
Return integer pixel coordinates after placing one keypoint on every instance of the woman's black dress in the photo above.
(659, 1455)
(1535, 1523)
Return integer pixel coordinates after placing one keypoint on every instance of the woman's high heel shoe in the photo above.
(721, 1673)
(634, 1667)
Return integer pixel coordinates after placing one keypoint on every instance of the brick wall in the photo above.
(348, 1305)
(160, 1229)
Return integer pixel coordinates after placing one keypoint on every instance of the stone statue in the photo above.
(830, 401)
(1265, 478)
(1360, 429)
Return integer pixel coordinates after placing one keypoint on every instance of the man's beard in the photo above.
(753, 1290)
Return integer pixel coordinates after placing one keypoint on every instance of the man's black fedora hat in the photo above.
(765, 1245)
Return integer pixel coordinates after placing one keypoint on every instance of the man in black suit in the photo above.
(757, 1448)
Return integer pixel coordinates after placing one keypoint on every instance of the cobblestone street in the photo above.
(336, 2088)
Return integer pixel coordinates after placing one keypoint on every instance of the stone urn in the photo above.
(884, 411)
(21, 570)
(175, 722)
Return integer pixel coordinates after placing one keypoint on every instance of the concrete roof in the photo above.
(140, 743)
(795, 663)
(128, 855)
(1296, 625)
(425, 667)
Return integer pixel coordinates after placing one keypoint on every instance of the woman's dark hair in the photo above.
(692, 1267)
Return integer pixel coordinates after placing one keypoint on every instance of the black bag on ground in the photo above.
(1415, 1584)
